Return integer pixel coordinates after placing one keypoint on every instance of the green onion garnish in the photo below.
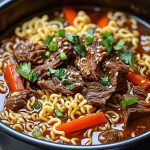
(128, 102)
(58, 113)
(63, 56)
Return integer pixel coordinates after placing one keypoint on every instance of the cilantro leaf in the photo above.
(126, 56)
(119, 45)
(108, 41)
(128, 102)
(89, 37)
(60, 73)
(25, 70)
(80, 49)
(105, 80)
(33, 76)
(68, 84)
(72, 38)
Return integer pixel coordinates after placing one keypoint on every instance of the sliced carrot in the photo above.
(103, 21)
(139, 80)
(82, 123)
(13, 79)
(69, 14)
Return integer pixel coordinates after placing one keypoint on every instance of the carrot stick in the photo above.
(103, 21)
(82, 123)
(139, 80)
(13, 79)
(69, 14)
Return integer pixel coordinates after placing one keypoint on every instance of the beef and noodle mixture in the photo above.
(77, 77)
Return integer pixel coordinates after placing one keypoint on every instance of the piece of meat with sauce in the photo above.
(71, 85)
(97, 94)
(27, 52)
(111, 136)
(90, 65)
(138, 110)
(63, 46)
(54, 61)
(117, 72)
(17, 100)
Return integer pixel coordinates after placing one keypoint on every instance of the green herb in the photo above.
(60, 73)
(48, 40)
(105, 80)
(60, 19)
(80, 49)
(47, 54)
(33, 76)
(37, 133)
(53, 46)
(72, 38)
(126, 56)
(58, 113)
(128, 102)
(61, 33)
(119, 45)
(37, 105)
(108, 41)
(68, 84)
(89, 37)
(25, 70)
(63, 56)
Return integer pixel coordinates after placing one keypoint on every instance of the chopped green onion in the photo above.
(53, 46)
(47, 54)
(58, 113)
(61, 33)
(80, 49)
(37, 133)
(37, 105)
(48, 40)
(105, 80)
(63, 56)
(89, 37)
(128, 102)
(60, 19)
(72, 38)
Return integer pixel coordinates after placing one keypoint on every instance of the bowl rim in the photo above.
(43, 143)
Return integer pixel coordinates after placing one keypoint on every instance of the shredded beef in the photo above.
(89, 65)
(117, 72)
(17, 101)
(27, 52)
(64, 46)
(97, 94)
(111, 136)
(138, 110)
(55, 84)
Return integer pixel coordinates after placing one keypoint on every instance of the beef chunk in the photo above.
(71, 85)
(111, 136)
(63, 46)
(139, 92)
(138, 110)
(17, 101)
(89, 65)
(27, 52)
(117, 72)
(97, 94)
